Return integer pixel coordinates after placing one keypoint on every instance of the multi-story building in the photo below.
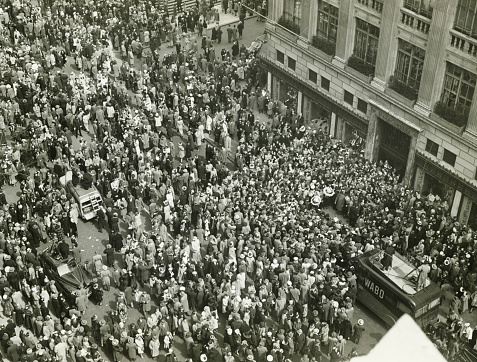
(399, 73)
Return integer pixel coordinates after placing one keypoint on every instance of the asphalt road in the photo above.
(91, 242)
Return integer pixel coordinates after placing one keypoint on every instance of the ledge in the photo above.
(365, 82)
(459, 130)
(399, 97)
(362, 77)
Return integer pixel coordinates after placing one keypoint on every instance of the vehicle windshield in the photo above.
(401, 272)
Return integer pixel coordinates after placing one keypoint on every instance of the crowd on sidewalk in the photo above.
(240, 233)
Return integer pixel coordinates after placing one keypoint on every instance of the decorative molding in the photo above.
(422, 109)
(395, 120)
(378, 84)
(341, 63)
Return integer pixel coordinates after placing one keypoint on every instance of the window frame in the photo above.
(280, 55)
(418, 6)
(359, 106)
(327, 22)
(448, 154)
(430, 144)
(291, 61)
(408, 62)
(345, 94)
(465, 20)
(324, 81)
(366, 42)
(292, 11)
(454, 85)
(315, 76)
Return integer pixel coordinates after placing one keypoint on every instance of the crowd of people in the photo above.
(242, 243)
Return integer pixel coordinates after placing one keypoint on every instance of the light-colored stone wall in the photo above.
(343, 79)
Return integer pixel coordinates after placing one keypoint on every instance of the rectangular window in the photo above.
(449, 157)
(292, 11)
(325, 83)
(409, 64)
(327, 24)
(362, 106)
(421, 7)
(459, 86)
(366, 42)
(280, 57)
(348, 97)
(432, 147)
(291, 63)
(313, 76)
(465, 19)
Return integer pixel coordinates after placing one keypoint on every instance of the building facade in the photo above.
(399, 74)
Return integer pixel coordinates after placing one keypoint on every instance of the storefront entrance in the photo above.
(436, 187)
(394, 147)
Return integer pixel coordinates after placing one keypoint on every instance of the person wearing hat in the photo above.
(358, 331)
(97, 294)
(13, 351)
(131, 348)
(424, 270)
(109, 251)
(117, 350)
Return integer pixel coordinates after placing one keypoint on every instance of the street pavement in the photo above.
(91, 241)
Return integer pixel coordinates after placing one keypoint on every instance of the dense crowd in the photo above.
(240, 234)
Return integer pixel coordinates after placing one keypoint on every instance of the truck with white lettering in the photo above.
(391, 292)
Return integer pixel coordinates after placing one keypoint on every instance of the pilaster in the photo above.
(372, 138)
(386, 46)
(435, 61)
(275, 9)
(299, 102)
(456, 203)
(269, 83)
(305, 17)
(411, 157)
(313, 19)
(419, 179)
(345, 36)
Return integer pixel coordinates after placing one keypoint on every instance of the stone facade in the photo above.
(442, 44)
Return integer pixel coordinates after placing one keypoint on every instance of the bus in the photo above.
(391, 293)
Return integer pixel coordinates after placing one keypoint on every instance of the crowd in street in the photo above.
(240, 234)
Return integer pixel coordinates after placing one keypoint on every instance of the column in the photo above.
(340, 128)
(456, 203)
(411, 157)
(275, 9)
(313, 20)
(434, 62)
(269, 83)
(372, 138)
(386, 46)
(333, 125)
(299, 102)
(305, 17)
(345, 37)
(419, 179)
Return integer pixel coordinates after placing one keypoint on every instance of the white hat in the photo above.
(360, 322)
